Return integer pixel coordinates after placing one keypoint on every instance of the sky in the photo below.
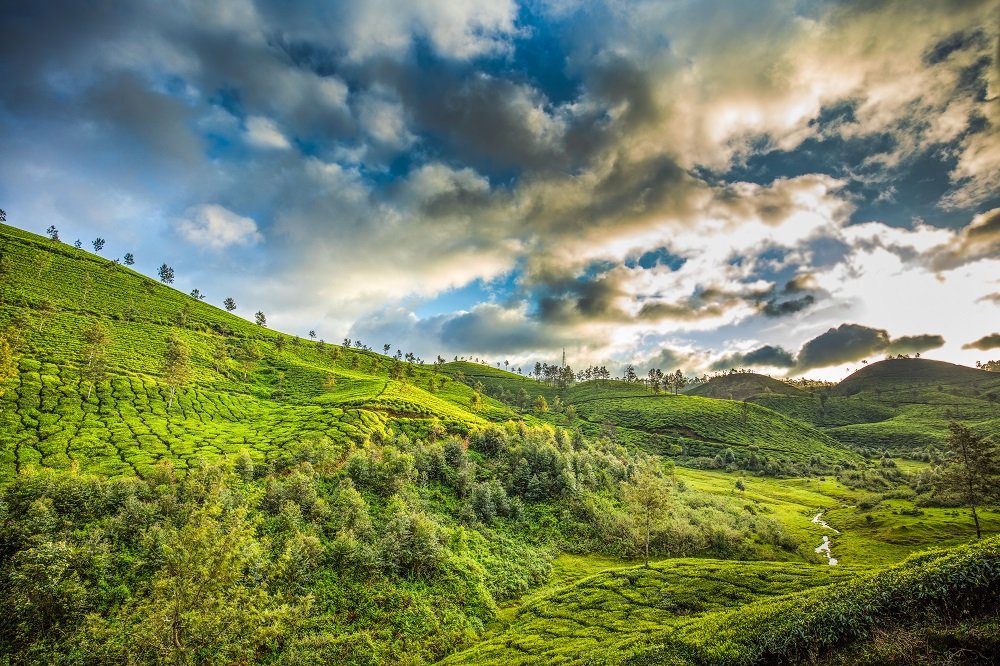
(792, 186)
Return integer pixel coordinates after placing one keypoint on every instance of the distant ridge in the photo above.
(741, 386)
(892, 372)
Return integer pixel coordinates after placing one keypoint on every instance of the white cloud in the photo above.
(264, 133)
(215, 227)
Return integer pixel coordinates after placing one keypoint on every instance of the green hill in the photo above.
(900, 374)
(694, 429)
(936, 607)
(249, 387)
(741, 386)
(902, 406)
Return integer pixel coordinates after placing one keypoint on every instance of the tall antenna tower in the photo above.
(564, 357)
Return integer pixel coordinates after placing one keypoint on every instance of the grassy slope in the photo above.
(719, 612)
(46, 419)
(898, 405)
(665, 423)
(740, 386)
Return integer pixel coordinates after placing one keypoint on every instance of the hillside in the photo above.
(901, 406)
(901, 373)
(705, 612)
(249, 387)
(691, 428)
(741, 386)
(328, 504)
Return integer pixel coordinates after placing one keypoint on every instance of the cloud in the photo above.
(215, 227)
(853, 342)
(915, 344)
(264, 133)
(766, 356)
(979, 240)
(991, 341)
(493, 329)
(844, 344)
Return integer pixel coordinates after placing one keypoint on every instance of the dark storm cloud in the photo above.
(844, 344)
(915, 344)
(987, 342)
(778, 308)
(851, 342)
(766, 356)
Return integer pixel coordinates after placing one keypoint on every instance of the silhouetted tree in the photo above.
(197, 295)
(229, 304)
(78, 244)
(52, 232)
(166, 274)
(129, 259)
(260, 318)
(98, 244)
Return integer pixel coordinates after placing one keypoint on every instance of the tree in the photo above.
(312, 335)
(176, 365)
(78, 244)
(973, 471)
(247, 354)
(98, 244)
(386, 348)
(3, 215)
(166, 274)
(647, 496)
(42, 261)
(53, 233)
(197, 295)
(229, 304)
(95, 360)
(129, 259)
(220, 355)
(260, 318)
(541, 404)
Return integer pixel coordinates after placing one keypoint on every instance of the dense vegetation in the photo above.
(180, 485)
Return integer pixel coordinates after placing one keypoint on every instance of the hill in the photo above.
(741, 386)
(249, 387)
(704, 612)
(903, 373)
(692, 429)
(902, 406)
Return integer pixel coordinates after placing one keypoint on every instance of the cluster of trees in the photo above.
(304, 557)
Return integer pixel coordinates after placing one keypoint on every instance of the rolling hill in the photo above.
(249, 387)
(331, 504)
(689, 427)
(741, 386)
